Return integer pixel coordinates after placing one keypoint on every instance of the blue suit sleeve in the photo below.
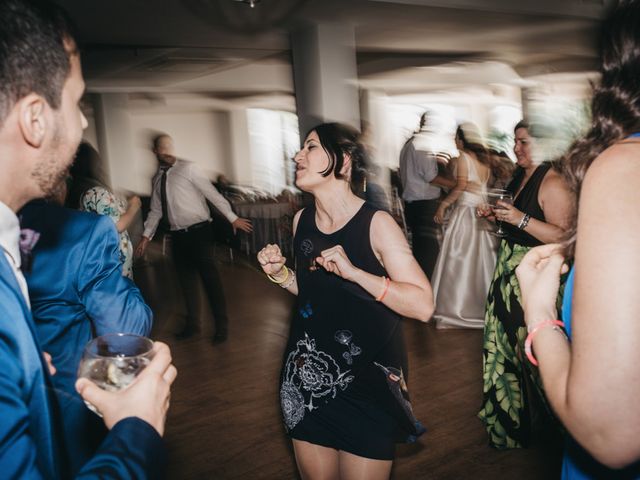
(29, 445)
(133, 449)
(112, 301)
(17, 446)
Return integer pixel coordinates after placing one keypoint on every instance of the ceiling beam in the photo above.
(571, 8)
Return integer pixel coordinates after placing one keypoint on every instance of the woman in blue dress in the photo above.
(591, 378)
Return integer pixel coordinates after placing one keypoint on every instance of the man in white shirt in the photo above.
(421, 194)
(179, 197)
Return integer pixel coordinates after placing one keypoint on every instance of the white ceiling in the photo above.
(226, 51)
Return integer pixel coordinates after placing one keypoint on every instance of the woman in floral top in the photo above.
(90, 193)
(103, 202)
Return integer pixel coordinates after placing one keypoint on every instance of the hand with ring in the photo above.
(271, 260)
(506, 212)
(484, 211)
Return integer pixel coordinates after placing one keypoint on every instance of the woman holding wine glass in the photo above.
(496, 195)
(538, 215)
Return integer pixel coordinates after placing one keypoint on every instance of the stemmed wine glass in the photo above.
(495, 195)
(114, 360)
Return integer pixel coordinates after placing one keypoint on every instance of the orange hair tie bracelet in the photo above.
(386, 281)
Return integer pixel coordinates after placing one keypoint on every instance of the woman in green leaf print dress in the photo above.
(539, 215)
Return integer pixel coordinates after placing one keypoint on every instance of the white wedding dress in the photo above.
(467, 260)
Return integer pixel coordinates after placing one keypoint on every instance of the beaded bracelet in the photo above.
(524, 222)
(386, 281)
(292, 278)
(279, 282)
(556, 324)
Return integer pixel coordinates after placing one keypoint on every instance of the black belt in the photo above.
(190, 228)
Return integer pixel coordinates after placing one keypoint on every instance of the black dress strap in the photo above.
(527, 202)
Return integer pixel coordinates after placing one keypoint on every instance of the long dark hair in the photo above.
(615, 104)
(338, 140)
(502, 166)
(86, 172)
(465, 132)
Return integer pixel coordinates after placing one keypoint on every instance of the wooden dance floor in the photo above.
(225, 420)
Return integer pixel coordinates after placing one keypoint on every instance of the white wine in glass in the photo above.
(495, 195)
(114, 360)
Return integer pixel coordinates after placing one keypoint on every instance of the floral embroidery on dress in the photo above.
(306, 247)
(306, 311)
(309, 374)
(344, 337)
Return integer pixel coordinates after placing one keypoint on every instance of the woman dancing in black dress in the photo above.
(343, 392)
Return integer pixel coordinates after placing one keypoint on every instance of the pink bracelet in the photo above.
(387, 281)
(556, 324)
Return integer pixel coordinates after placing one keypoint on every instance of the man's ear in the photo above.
(33, 119)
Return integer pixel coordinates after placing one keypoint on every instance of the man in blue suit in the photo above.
(40, 128)
(77, 289)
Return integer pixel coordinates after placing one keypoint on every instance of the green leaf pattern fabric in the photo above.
(507, 375)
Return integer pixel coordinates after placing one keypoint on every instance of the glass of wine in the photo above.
(495, 195)
(112, 361)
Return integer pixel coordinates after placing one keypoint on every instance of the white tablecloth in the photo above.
(271, 224)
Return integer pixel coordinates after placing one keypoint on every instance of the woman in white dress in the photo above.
(467, 258)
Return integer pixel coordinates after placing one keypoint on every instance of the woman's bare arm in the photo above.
(555, 200)
(594, 384)
(409, 292)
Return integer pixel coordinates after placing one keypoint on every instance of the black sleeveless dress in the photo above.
(343, 378)
(512, 387)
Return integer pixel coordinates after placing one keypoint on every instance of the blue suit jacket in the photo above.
(31, 443)
(76, 289)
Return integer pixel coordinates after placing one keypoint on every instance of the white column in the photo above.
(115, 139)
(325, 75)
(240, 147)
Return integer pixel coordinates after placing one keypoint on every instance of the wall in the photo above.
(202, 137)
(122, 127)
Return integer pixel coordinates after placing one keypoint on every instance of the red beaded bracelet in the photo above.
(387, 281)
(556, 324)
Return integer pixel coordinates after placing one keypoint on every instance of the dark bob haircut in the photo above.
(339, 140)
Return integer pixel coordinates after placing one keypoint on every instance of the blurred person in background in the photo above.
(468, 254)
(421, 189)
(373, 188)
(374, 191)
(502, 168)
(90, 192)
(539, 214)
(591, 379)
(343, 392)
(179, 197)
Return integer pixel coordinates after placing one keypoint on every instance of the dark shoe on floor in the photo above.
(186, 332)
(220, 337)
